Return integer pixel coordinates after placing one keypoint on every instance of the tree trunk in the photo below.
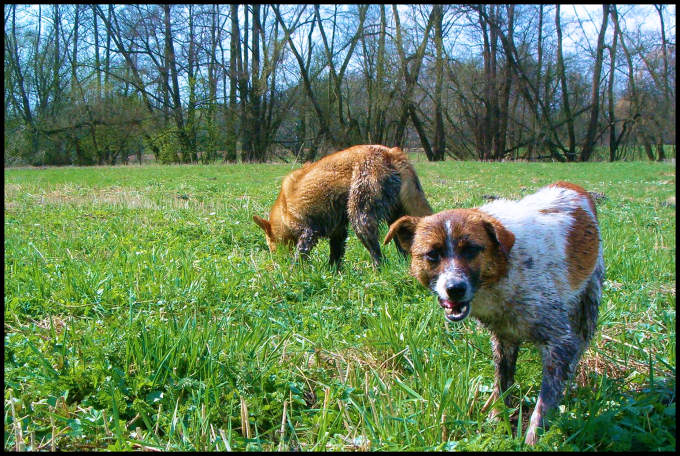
(97, 63)
(24, 107)
(380, 80)
(632, 86)
(503, 108)
(666, 88)
(484, 144)
(215, 37)
(131, 66)
(245, 128)
(493, 99)
(255, 124)
(56, 63)
(191, 107)
(527, 89)
(336, 77)
(421, 133)
(186, 151)
(438, 152)
(561, 74)
(589, 142)
(660, 154)
(74, 59)
(535, 120)
(410, 76)
(107, 65)
(664, 53)
(610, 93)
(234, 78)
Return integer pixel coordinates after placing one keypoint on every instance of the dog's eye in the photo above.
(432, 256)
(471, 250)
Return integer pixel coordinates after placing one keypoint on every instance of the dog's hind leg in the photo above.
(588, 308)
(584, 316)
(372, 196)
(366, 228)
(559, 358)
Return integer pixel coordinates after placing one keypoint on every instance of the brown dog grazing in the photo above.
(528, 270)
(363, 185)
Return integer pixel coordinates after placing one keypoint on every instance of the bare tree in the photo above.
(589, 141)
(410, 78)
(439, 149)
(325, 132)
(17, 78)
(566, 105)
(610, 92)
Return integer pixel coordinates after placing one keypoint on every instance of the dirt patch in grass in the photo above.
(47, 324)
(11, 192)
(670, 202)
(341, 363)
(79, 196)
(665, 289)
(124, 197)
(75, 196)
(596, 362)
(12, 189)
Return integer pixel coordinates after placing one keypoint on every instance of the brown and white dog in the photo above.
(528, 270)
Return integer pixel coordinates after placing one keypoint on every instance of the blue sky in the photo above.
(631, 17)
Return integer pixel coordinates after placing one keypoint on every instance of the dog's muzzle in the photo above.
(454, 310)
(454, 293)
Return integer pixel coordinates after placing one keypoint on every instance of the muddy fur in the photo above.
(362, 186)
(528, 270)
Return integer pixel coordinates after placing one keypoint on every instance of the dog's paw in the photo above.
(494, 414)
(531, 436)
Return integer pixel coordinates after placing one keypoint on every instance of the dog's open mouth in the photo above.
(455, 311)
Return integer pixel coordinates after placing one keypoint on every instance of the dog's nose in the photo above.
(456, 290)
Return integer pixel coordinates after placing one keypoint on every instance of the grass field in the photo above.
(143, 310)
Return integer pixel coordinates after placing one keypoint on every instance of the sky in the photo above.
(631, 17)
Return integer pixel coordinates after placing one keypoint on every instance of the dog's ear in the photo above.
(264, 224)
(500, 235)
(404, 228)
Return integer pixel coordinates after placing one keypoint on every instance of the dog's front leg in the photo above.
(337, 245)
(505, 361)
(557, 365)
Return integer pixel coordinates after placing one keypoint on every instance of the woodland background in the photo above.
(110, 84)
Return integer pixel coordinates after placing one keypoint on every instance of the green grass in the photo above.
(143, 309)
